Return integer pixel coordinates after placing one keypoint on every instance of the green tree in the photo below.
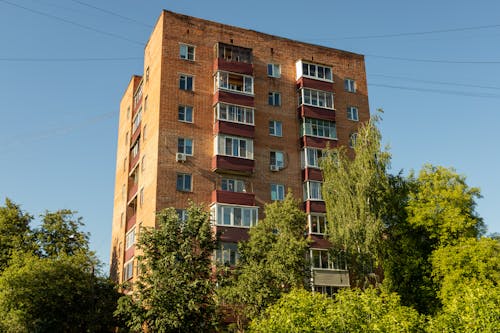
(175, 290)
(272, 261)
(15, 232)
(354, 190)
(444, 205)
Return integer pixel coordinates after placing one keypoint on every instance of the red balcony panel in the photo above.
(237, 129)
(131, 222)
(233, 98)
(312, 206)
(233, 66)
(305, 82)
(136, 133)
(312, 174)
(132, 190)
(235, 198)
(315, 142)
(315, 112)
(133, 161)
(137, 107)
(232, 164)
(129, 253)
(319, 242)
(231, 234)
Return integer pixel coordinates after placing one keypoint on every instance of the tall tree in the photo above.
(444, 205)
(272, 261)
(175, 290)
(15, 232)
(354, 190)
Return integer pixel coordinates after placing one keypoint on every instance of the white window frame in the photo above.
(184, 52)
(312, 190)
(275, 128)
(184, 149)
(130, 238)
(350, 85)
(274, 98)
(137, 120)
(128, 270)
(340, 266)
(278, 162)
(185, 109)
(352, 113)
(186, 78)
(321, 224)
(352, 139)
(135, 149)
(316, 98)
(311, 157)
(221, 146)
(235, 113)
(183, 188)
(222, 82)
(226, 253)
(311, 125)
(278, 192)
(182, 214)
(233, 185)
(234, 215)
(274, 70)
(313, 71)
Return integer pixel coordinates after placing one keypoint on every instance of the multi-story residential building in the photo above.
(231, 118)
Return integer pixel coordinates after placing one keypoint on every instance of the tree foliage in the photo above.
(272, 261)
(354, 190)
(175, 290)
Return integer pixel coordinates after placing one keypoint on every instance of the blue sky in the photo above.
(433, 66)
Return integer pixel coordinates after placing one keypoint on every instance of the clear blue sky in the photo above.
(433, 66)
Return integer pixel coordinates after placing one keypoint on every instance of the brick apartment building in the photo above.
(231, 118)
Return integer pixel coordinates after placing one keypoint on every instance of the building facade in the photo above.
(233, 119)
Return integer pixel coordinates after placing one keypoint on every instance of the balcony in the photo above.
(318, 142)
(304, 82)
(330, 277)
(308, 111)
(137, 98)
(223, 96)
(225, 127)
(131, 221)
(132, 192)
(312, 174)
(233, 58)
(129, 253)
(231, 234)
(313, 206)
(234, 198)
(231, 164)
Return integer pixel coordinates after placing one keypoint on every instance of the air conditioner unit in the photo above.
(180, 157)
(274, 168)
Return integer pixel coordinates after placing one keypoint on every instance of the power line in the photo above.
(109, 12)
(439, 61)
(435, 82)
(416, 33)
(437, 91)
(110, 34)
(15, 59)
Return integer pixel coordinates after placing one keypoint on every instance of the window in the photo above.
(352, 139)
(141, 197)
(324, 260)
(234, 113)
(319, 128)
(352, 113)
(227, 254)
(317, 224)
(322, 99)
(182, 214)
(128, 112)
(186, 82)
(138, 94)
(185, 146)
(122, 219)
(274, 98)
(234, 82)
(145, 103)
(312, 157)
(275, 128)
(277, 192)
(236, 216)
(137, 120)
(143, 163)
(350, 85)
(273, 70)
(234, 53)
(147, 74)
(128, 270)
(233, 185)
(130, 239)
(186, 52)
(312, 191)
(135, 150)
(185, 113)
(183, 182)
(234, 146)
(143, 133)
(314, 71)
(126, 139)
(277, 159)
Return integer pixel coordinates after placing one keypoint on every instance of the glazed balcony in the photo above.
(232, 128)
(305, 82)
(234, 198)
(330, 277)
(317, 142)
(234, 165)
(233, 58)
(314, 206)
(312, 174)
(308, 111)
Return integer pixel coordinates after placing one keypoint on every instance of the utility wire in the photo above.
(437, 91)
(110, 34)
(435, 82)
(438, 61)
(109, 12)
(15, 59)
